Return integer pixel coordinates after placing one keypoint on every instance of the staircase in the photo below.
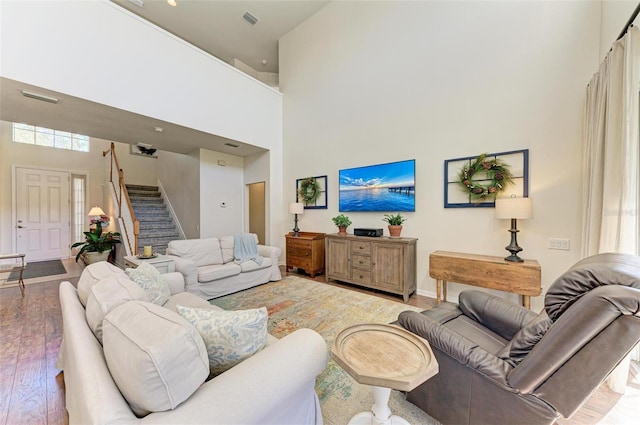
(156, 225)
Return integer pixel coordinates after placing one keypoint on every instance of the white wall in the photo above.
(180, 178)
(374, 82)
(107, 55)
(221, 184)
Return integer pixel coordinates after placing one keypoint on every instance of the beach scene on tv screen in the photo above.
(383, 187)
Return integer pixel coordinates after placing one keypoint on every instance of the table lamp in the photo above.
(296, 208)
(514, 208)
(96, 212)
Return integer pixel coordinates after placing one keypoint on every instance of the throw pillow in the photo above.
(230, 336)
(92, 274)
(107, 294)
(525, 339)
(155, 357)
(150, 279)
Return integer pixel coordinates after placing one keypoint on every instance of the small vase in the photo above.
(394, 231)
(342, 230)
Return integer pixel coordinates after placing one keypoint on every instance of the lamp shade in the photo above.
(96, 211)
(296, 208)
(521, 208)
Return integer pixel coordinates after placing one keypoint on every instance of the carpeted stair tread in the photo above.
(146, 200)
(135, 194)
(148, 205)
(151, 214)
(156, 224)
(153, 227)
(142, 187)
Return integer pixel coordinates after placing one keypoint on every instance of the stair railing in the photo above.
(130, 224)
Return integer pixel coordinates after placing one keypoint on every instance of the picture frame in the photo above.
(456, 197)
(320, 202)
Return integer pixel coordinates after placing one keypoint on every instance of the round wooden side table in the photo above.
(386, 357)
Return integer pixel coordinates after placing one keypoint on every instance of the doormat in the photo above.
(39, 269)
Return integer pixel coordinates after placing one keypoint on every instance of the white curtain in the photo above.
(611, 160)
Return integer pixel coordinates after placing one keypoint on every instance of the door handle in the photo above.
(20, 227)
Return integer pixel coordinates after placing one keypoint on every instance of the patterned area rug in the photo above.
(295, 303)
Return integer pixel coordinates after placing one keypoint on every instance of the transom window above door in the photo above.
(33, 135)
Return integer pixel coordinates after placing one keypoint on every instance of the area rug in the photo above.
(295, 303)
(39, 269)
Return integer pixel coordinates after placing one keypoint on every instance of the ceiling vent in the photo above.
(39, 96)
(232, 145)
(250, 18)
(139, 3)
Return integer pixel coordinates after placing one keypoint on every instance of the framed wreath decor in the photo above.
(495, 173)
(309, 190)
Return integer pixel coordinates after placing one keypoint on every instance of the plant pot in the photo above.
(394, 231)
(94, 257)
(342, 230)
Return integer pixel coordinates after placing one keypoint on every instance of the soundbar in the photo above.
(368, 232)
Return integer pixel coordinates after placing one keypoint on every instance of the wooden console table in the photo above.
(486, 272)
(382, 263)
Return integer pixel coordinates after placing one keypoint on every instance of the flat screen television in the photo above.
(383, 187)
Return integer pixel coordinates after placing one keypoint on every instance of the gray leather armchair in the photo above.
(503, 364)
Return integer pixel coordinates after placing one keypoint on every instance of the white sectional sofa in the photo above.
(210, 271)
(151, 354)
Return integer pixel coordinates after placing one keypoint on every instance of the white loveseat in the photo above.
(274, 386)
(210, 271)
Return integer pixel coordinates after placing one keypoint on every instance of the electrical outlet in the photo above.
(557, 243)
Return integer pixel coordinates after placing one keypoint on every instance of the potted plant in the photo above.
(342, 221)
(395, 224)
(96, 246)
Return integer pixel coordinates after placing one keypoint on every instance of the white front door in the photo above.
(42, 214)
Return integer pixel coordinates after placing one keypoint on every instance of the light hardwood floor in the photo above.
(32, 389)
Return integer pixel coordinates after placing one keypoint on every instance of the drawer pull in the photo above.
(361, 277)
(361, 262)
(361, 247)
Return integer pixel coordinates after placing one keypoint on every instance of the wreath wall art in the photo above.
(485, 177)
(475, 181)
(312, 192)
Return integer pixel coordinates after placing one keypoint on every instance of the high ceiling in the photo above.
(217, 27)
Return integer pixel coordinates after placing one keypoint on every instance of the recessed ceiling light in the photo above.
(250, 18)
(158, 129)
(39, 96)
(232, 145)
(172, 2)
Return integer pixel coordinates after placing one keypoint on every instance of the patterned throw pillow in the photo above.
(230, 336)
(150, 279)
